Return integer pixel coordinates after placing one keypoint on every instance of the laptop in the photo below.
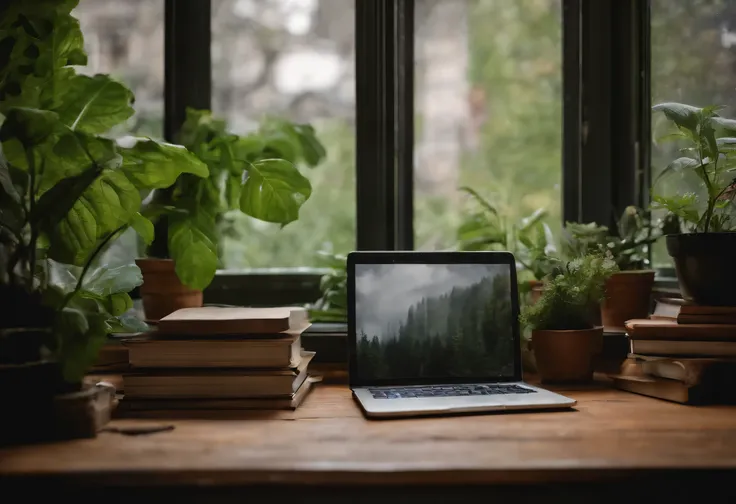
(437, 333)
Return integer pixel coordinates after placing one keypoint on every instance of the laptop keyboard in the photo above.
(447, 391)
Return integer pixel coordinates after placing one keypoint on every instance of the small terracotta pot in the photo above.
(537, 289)
(566, 356)
(162, 292)
(628, 296)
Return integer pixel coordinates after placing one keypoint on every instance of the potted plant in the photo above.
(332, 306)
(704, 246)
(530, 240)
(565, 335)
(66, 192)
(254, 174)
(628, 292)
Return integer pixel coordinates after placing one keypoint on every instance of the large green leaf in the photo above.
(105, 282)
(143, 227)
(678, 165)
(728, 125)
(274, 191)
(153, 165)
(80, 336)
(193, 247)
(106, 205)
(28, 126)
(685, 116)
(95, 104)
(312, 149)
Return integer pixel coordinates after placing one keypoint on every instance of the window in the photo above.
(693, 61)
(125, 38)
(488, 109)
(291, 59)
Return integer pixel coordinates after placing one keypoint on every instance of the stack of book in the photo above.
(683, 352)
(220, 358)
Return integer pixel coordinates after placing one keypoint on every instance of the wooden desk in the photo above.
(613, 438)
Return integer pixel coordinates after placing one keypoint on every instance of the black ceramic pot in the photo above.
(706, 267)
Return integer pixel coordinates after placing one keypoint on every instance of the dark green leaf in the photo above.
(312, 149)
(193, 247)
(274, 191)
(29, 126)
(153, 165)
(233, 189)
(80, 337)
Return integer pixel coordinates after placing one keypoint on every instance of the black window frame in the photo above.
(606, 122)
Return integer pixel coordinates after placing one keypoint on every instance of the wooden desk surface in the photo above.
(610, 435)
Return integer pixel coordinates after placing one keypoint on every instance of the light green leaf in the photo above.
(95, 104)
(108, 204)
(104, 282)
(128, 322)
(274, 191)
(119, 303)
(193, 247)
(312, 149)
(80, 336)
(684, 116)
(679, 165)
(233, 188)
(728, 125)
(143, 227)
(480, 200)
(154, 165)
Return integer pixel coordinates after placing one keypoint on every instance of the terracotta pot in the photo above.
(705, 267)
(162, 292)
(566, 356)
(628, 296)
(537, 289)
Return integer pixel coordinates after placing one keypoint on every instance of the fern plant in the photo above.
(572, 295)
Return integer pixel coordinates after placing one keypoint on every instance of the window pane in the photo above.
(488, 102)
(125, 38)
(292, 59)
(693, 62)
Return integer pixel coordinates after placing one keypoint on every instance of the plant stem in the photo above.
(87, 265)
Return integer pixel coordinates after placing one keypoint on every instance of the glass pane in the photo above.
(693, 62)
(125, 38)
(290, 59)
(488, 104)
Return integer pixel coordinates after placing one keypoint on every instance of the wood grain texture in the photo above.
(610, 435)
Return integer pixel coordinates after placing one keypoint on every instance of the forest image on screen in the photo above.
(433, 321)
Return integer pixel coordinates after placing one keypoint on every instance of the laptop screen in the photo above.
(433, 322)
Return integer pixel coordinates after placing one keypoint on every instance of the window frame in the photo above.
(606, 121)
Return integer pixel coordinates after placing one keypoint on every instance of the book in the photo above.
(211, 320)
(216, 384)
(684, 348)
(647, 329)
(633, 378)
(266, 403)
(688, 313)
(690, 371)
(255, 352)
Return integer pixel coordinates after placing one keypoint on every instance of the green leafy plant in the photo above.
(332, 306)
(629, 247)
(710, 153)
(530, 240)
(572, 295)
(255, 174)
(67, 191)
